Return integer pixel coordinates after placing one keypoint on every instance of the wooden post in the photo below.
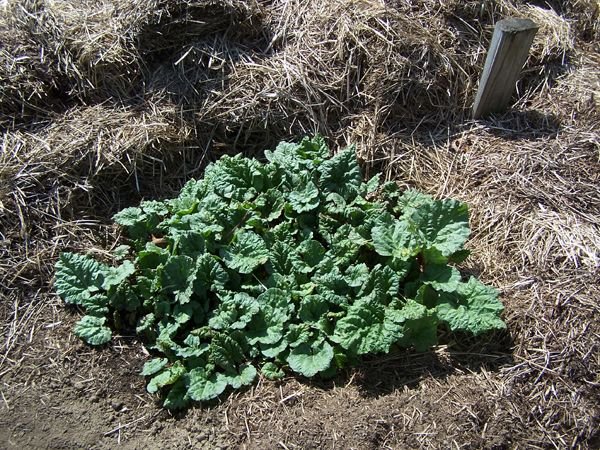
(507, 54)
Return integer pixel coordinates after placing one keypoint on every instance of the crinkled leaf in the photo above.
(368, 328)
(273, 350)
(209, 275)
(96, 305)
(189, 243)
(372, 185)
(286, 260)
(307, 154)
(399, 241)
(235, 176)
(130, 217)
(410, 201)
(419, 325)
(136, 221)
(203, 387)
(441, 277)
(312, 308)
(312, 252)
(246, 253)
(357, 275)
(244, 377)
(475, 309)
(177, 397)
(268, 326)
(234, 312)
(271, 372)
(78, 277)
(444, 224)
(226, 352)
(117, 275)
(306, 199)
(177, 277)
(341, 174)
(383, 282)
(153, 366)
(309, 360)
(121, 252)
(166, 377)
(93, 330)
(298, 334)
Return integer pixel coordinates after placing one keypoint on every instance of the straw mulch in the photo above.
(106, 102)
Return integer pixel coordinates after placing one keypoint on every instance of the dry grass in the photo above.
(103, 103)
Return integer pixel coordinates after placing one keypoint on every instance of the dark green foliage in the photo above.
(296, 264)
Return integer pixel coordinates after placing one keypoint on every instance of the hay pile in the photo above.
(105, 102)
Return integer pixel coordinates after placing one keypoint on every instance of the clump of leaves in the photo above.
(296, 264)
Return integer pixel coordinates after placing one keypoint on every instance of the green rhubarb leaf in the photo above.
(268, 326)
(368, 328)
(309, 360)
(357, 275)
(419, 325)
(78, 277)
(96, 306)
(177, 397)
(203, 387)
(313, 308)
(284, 259)
(166, 377)
(441, 277)
(246, 253)
(244, 377)
(93, 330)
(476, 308)
(117, 275)
(306, 155)
(130, 217)
(209, 275)
(306, 199)
(235, 176)
(225, 352)
(271, 372)
(234, 312)
(371, 186)
(153, 366)
(341, 174)
(177, 277)
(121, 252)
(399, 241)
(273, 350)
(444, 225)
(189, 243)
(312, 252)
(382, 283)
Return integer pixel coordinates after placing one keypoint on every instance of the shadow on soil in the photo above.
(459, 354)
(523, 125)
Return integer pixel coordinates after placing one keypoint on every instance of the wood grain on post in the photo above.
(508, 52)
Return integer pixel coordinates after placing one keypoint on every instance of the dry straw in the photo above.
(105, 102)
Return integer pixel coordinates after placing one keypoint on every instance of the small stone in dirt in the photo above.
(116, 405)
(79, 385)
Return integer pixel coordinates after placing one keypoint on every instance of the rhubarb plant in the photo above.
(296, 264)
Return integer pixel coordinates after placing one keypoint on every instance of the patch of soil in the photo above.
(60, 394)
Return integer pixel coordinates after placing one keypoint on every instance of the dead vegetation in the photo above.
(105, 102)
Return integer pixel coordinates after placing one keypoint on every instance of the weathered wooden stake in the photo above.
(507, 54)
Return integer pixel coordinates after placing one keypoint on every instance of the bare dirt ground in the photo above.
(100, 107)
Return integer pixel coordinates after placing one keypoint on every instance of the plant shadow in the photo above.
(456, 353)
